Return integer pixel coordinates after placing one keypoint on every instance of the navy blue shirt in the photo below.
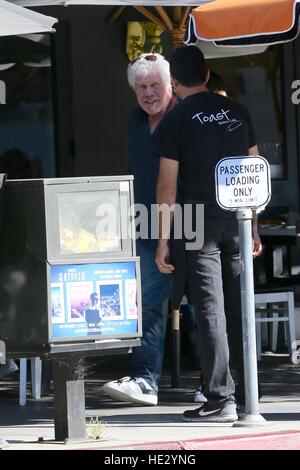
(142, 163)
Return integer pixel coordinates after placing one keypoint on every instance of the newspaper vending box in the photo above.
(69, 275)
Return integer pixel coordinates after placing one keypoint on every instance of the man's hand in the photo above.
(162, 257)
(166, 194)
(257, 246)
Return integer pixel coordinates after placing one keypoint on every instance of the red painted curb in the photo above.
(282, 440)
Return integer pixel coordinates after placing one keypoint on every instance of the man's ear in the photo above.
(175, 82)
(207, 76)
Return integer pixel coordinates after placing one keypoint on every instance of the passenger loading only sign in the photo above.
(243, 182)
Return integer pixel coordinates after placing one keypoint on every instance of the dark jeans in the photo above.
(148, 358)
(214, 288)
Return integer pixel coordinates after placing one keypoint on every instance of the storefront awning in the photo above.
(16, 20)
(239, 23)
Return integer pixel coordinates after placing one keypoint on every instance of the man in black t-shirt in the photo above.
(190, 140)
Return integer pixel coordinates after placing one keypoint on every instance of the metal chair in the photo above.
(274, 305)
(36, 378)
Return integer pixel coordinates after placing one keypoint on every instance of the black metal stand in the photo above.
(46, 377)
(68, 383)
(69, 400)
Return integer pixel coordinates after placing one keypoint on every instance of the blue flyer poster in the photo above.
(93, 299)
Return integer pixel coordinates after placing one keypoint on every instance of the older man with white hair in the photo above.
(149, 76)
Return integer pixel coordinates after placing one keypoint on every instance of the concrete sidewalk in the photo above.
(123, 426)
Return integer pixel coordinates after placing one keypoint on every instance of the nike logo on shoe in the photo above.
(207, 413)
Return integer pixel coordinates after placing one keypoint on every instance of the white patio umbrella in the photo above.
(16, 20)
(162, 3)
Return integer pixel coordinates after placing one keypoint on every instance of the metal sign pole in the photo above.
(242, 184)
(2, 352)
(252, 416)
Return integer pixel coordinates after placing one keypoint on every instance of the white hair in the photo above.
(143, 67)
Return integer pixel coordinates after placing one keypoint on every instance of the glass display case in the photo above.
(69, 275)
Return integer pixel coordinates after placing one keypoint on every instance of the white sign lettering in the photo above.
(243, 182)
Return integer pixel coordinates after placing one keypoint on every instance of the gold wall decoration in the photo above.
(142, 37)
(153, 39)
(135, 40)
(171, 19)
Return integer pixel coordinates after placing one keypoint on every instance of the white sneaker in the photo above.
(199, 397)
(8, 368)
(135, 390)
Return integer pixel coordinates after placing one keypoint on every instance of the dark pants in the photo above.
(214, 288)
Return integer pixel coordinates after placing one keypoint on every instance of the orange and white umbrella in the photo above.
(244, 22)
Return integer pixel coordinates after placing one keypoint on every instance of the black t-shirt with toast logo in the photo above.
(198, 133)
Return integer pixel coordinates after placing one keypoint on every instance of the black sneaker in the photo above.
(222, 412)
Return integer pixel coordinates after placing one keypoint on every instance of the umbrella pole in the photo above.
(175, 348)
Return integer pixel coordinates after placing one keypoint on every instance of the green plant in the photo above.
(95, 427)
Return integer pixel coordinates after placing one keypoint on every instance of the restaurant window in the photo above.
(255, 81)
(26, 108)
